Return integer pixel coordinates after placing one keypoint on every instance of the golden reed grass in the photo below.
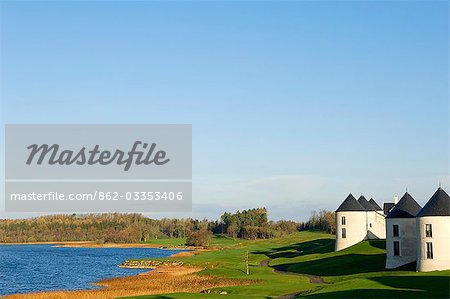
(160, 281)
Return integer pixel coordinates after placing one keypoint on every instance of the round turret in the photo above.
(433, 229)
(401, 233)
(350, 223)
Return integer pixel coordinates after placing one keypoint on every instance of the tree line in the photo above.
(322, 220)
(133, 228)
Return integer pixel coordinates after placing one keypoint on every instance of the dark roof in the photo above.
(438, 205)
(375, 205)
(407, 207)
(350, 204)
(367, 206)
(387, 207)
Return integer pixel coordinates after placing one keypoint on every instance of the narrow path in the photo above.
(265, 263)
(296, 294)
(312, 279)
(289, 296)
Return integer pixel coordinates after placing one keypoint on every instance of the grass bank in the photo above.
(304, 265)
(301, 265)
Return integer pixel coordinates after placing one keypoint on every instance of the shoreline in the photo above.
(93, 244)
(159, 280)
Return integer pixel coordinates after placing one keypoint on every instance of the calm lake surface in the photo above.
(31, 268)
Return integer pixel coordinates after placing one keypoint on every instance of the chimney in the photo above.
(395, 199)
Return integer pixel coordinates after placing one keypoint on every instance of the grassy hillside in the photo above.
(303, 265)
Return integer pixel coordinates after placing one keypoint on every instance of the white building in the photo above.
(433, 231)
(358, 220)
(379, 229)
(375, 222)
(413, 234)
(401, 233)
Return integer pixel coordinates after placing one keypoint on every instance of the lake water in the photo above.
(31, 268)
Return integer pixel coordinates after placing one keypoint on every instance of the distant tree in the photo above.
(323, 220)
(200, 238)
(131, 228)
(248, 224)
(285, 227)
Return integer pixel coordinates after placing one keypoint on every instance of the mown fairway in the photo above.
(303, 265)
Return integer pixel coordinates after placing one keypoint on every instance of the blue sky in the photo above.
(293, 104)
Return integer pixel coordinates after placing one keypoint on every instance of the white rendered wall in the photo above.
(378, 229)
(356, 229)
(407, 236)
(440, 240)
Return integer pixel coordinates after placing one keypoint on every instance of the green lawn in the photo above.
(357, 272)
(217, 241)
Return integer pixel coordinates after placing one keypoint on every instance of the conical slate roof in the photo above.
(375, 205)
(367, 206)
(438, 205)
(387, 207)
(350, 204)
(407, 207)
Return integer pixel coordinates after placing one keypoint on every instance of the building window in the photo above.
(343, 220)
(428, 231)
(344, 233)
(395, 230)
(370, 224)
(429, 250)
(396, 248)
